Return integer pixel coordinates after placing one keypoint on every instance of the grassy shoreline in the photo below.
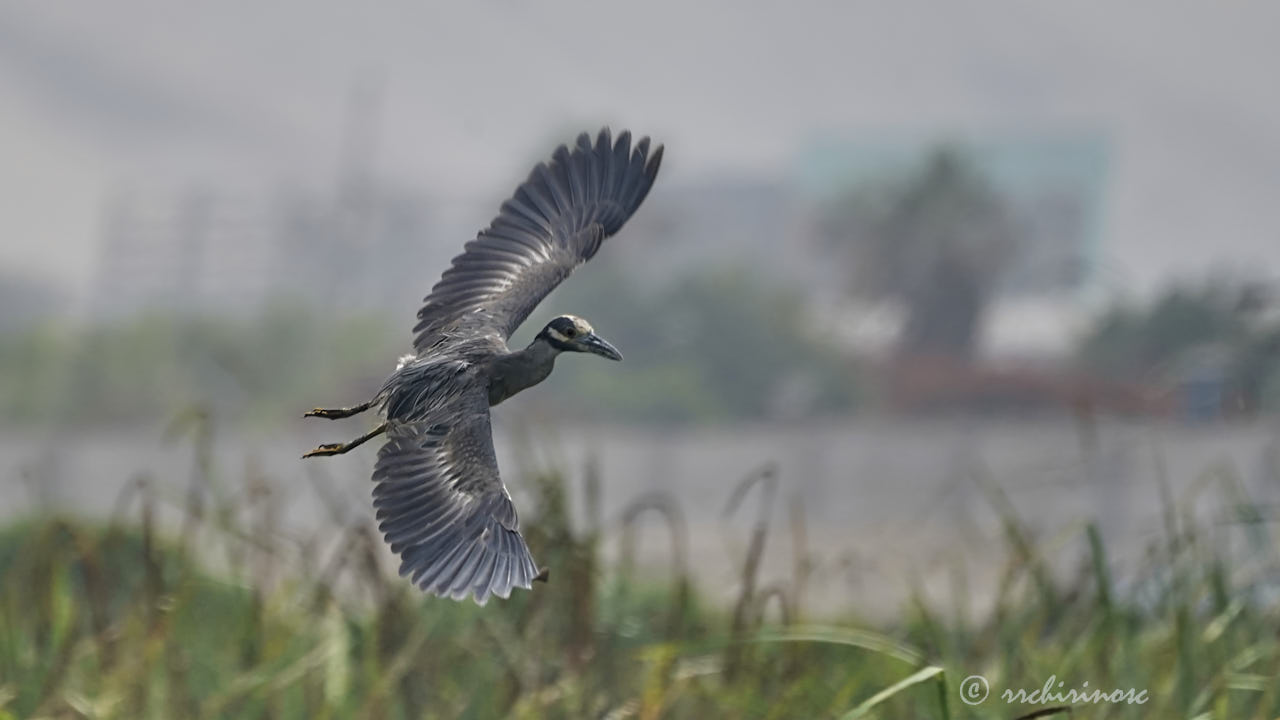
(123, 619)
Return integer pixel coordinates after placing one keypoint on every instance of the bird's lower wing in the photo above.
(443, 509)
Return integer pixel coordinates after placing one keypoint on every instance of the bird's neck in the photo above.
(521, 369)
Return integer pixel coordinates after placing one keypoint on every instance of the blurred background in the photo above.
(941, 282)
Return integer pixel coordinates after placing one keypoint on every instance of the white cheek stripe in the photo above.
(556, 334)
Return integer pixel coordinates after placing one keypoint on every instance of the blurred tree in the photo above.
(1127, 342)
(146, 368)
(707, 345)
(1134, 343)
(936, 242)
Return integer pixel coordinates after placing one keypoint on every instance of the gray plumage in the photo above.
(440, 502)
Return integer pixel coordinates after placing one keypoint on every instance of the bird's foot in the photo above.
(338, 413)
(328, 449)
(544, 575)
(340, 448)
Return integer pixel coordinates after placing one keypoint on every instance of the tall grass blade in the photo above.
(911, 680)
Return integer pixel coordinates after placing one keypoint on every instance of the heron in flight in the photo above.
(440, 502)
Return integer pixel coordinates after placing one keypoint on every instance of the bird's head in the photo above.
(569, 333)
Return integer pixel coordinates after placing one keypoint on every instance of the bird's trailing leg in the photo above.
(340, 448)
(338, 413)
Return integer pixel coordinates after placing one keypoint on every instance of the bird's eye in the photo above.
(570, 332)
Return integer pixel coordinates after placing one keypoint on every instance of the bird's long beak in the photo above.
(599, 346)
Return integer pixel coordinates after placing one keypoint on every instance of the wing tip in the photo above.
(655, 162)
(478, 572)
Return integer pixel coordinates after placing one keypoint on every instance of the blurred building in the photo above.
(25, 300)
(747, 223)
(1053, 184)
(207, 251)
(370, 247)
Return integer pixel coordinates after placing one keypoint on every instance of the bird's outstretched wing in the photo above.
(553, 222)
(444, 510)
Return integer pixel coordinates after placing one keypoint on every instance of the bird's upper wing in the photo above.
(444, 510)
(553, 222)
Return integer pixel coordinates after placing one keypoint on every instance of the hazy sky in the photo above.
(100, 98)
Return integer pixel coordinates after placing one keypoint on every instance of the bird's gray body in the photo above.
(421, 383)
(440, 502)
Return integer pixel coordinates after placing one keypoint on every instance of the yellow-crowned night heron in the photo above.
(440, 502)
